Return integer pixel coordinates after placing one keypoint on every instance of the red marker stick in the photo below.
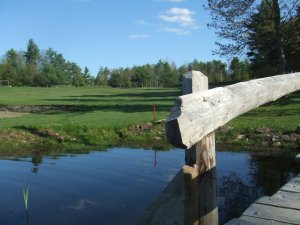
(154, 112)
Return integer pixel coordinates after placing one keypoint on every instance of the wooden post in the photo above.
(200, 169)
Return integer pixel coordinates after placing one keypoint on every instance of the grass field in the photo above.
(83, 117)
(103, 116)
(93, 107)
(283, 114)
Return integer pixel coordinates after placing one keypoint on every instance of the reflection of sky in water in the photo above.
(112, 187)
(80, 204)
(115, 186)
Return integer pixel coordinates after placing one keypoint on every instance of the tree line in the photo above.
(34, 67)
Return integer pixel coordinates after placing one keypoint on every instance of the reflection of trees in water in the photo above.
(266, 175)
(271, 173)
(234, 196)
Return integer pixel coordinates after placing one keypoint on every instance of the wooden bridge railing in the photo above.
(191, 125)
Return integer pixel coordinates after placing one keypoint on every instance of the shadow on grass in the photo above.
(108, 99)
(132, 108)
(148, 93)
(273, 112)
(56, 109)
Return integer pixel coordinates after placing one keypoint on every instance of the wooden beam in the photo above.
(200, 172)
(198, 114)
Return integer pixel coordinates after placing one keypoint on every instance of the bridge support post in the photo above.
(200, 170)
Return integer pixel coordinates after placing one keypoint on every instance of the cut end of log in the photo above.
(173, 134)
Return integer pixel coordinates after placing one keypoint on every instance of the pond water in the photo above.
(115, 186)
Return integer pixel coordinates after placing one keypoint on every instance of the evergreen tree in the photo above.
(32, 56)
(231, 20)
(235, 69)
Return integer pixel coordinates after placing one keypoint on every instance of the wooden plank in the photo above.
(273, 213)
(246, 220)
(296, 179)
(286, 200)
(289, 196)
(196, 115)
(292, 186)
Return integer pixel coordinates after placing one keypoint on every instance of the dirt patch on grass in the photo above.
(4, 114)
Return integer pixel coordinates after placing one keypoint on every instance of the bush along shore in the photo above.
(29, 140)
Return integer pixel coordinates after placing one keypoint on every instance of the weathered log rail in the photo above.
(198, 114)
(191, 125)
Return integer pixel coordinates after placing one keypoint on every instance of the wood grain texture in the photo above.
(198, 114)
(283, 201)
(292, 186)
(273, 213)
(246, 220)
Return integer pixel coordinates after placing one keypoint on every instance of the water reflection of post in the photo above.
(200, 170)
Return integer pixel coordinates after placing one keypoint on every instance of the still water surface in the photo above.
(115, 186)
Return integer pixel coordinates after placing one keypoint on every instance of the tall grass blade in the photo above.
(25, 195)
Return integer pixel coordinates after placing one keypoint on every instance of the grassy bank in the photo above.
(66, 117)
(38, 119)
(272, 125)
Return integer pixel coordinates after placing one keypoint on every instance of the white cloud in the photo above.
(139, 36)
(174, 1)
(83, 1)
(181, 16)
(140, 22)
(177, 31)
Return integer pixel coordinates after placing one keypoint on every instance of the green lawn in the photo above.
(114, 108)
(94, 107)
(283, 114)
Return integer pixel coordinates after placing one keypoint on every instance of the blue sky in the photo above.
(112, 33)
